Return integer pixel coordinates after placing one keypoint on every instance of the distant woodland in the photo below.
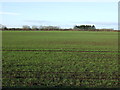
(54, 28)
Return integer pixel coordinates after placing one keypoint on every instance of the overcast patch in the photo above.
(9, 13)
(37, 21)
(59, 0)
(97, 23)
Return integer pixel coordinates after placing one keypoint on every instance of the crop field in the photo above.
(60, 59)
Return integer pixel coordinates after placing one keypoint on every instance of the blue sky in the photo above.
(62, 14)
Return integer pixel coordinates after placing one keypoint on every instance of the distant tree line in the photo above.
(54, 28)
(84, 27)
(34, 27)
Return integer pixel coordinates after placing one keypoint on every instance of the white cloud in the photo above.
(59, 0)
(97, 23)
(9, 13)
(37, 21)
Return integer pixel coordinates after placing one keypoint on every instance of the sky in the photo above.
(62, 14)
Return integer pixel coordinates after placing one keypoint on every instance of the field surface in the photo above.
(60, 59)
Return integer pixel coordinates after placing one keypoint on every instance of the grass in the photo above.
(53, 68)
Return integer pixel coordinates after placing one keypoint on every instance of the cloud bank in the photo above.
(37, 21)
(97, 23)
(59, 0)
(9, 13)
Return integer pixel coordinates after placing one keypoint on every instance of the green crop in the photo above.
(60, 59)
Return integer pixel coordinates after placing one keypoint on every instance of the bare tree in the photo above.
(26, 27)
(3, 27)
(34, 27)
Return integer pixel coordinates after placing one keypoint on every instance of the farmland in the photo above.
(60, 59)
